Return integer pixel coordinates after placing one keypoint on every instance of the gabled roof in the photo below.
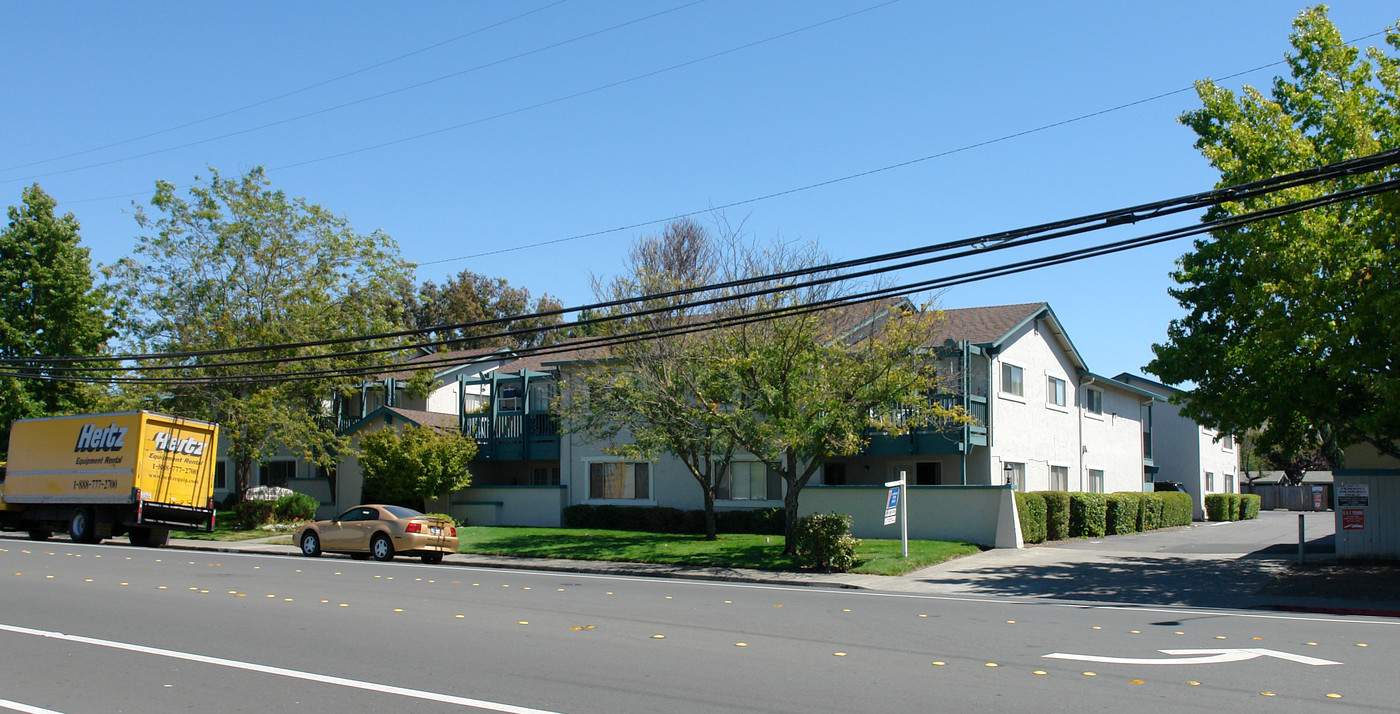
(1157, 388)
(444, 423)
(991, 327)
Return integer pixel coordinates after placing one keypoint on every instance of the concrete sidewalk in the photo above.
(1227, 565)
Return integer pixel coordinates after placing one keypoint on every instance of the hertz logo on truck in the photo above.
(189, 445)
(95, 438)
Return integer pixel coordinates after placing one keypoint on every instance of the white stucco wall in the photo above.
(1030, 430)
(985, 515)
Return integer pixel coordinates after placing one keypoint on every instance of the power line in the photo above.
(913, 257)
(902, 290)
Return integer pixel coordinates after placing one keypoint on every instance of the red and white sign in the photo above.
(1353, 519)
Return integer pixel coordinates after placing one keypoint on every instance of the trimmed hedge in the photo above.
(1249, 506)
(1030, 507)
(1218, 507)
(659, 519)
(1176, 508)
(824, 542)
(295, 507)
(252, 514)
(1056, 514)
(1124, 510)
(1087, 514)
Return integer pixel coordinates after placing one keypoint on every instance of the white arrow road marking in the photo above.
(1206, 657)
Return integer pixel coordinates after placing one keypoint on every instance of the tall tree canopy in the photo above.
(238, 264)
(664, 396)
(472, 297)
(49, 307)
(414, 465)
(1292, 323)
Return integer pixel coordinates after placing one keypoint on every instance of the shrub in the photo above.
(824, 542)
(1056, 514)
(1249, 506)
(1123, 512)
(1151, 516)
(1176, 508)
(1234, 506)
(295, 507)
(1218, 507)
(1087, 513)
(1030, 507)
(253, 514)
(659, 519)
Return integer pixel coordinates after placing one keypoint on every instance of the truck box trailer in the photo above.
(103, 475)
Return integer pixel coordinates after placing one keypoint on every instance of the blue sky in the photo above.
(477, 127)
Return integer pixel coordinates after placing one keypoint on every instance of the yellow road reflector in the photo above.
(658, 637)
(1334, 696)
(1135, 632)
(1194, 683)
(1010, 622)
(1310, 644)
(460, 616)
(1359, 644)
(1267, 694)
(1090, 674)
(1220, 637)
(523, 622)
(1135, 681)
(741, 644)
(938, 664)
(398, 609)
(991, 664)
(839, 654)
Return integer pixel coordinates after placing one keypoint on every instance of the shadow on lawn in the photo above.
(1155, 581)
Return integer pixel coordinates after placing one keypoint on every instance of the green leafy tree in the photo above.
(415, 465)
(238, 264)
(661, 396)
(472, 297)
(1292, 323)
(49, 307)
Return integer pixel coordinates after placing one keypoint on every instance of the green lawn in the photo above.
(732, 550)
(224, 530)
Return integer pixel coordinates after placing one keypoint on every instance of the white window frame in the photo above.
(1089, 409)
(1096, 481)
(746, 494)
(1210, 482)
(1016, 475)
(630, 481)
(1056, 392)
(1020, 381)
(1062, 485)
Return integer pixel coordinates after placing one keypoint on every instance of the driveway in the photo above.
(1202, 565)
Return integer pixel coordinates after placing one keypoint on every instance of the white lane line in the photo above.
(16, 706)
(277, 671)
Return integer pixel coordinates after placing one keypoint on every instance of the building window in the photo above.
(1095, 481)
(613, 480)
(928, 473)
(834, 474)
(277, 473)
(1011, 380)
(1093, 400)
(1229, 483)
(1055, 391)
(1227, 442)
(1015, 474)
(1210, 481)
(1059, 478)
(220, 475)
(749, 481)
(544, 476)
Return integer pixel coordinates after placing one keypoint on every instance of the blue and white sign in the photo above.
(892, 506)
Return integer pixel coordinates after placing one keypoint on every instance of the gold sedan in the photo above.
(380, 532)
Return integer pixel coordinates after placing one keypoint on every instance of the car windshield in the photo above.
(401, 512)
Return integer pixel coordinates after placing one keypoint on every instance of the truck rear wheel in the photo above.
(82, 527)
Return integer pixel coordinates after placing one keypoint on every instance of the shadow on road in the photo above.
(1130, 579)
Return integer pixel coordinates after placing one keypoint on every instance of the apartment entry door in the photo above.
(919, 473)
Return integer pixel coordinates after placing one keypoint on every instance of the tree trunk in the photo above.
(710, 514)
(790, 519)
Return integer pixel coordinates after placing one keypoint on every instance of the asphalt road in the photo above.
(111, 628)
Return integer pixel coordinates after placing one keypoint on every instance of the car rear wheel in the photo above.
(432, 558)
(381, 548)
(310, 545)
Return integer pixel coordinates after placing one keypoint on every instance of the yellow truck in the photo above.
(103, 475)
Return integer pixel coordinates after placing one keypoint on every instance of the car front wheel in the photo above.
(310, 545)
(381, 548)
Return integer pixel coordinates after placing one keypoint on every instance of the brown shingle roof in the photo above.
(980, 325)
(445, 423)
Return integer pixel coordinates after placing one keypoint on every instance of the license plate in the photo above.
(435, 530)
